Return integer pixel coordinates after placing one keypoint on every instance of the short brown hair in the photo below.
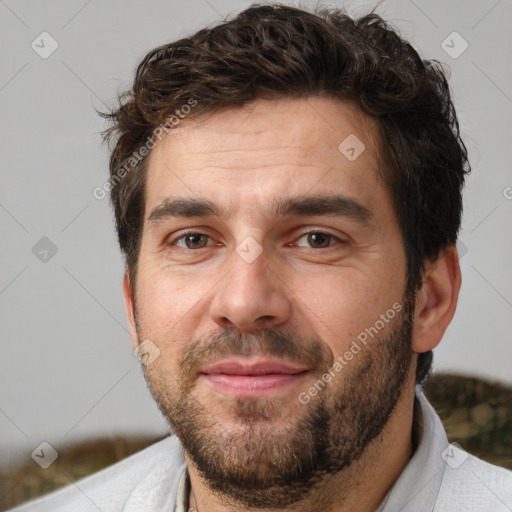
(273, 51)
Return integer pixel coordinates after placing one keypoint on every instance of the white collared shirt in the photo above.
(438, 478)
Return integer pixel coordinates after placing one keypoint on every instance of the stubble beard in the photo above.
(267, 458)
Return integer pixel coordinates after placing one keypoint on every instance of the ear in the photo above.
(129, 305)
(437, 300)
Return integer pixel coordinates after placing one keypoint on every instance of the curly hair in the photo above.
(276, 51)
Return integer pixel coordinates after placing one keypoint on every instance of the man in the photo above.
(287, 191)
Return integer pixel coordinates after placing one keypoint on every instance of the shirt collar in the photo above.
(182, 497)
(419, 483)
(159, 488)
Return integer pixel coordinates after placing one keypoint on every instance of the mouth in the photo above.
(254, 376)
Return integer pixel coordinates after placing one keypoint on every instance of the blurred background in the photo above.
(67, 371)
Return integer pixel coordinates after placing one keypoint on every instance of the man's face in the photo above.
(267, 254)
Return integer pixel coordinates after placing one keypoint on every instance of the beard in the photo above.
(269, 456)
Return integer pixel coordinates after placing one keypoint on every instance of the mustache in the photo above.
(266, 342)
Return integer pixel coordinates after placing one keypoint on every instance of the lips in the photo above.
(250, 376)
(259, 367)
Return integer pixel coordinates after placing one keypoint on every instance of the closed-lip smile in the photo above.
(252, 376)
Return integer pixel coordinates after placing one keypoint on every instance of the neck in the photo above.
(361, 487)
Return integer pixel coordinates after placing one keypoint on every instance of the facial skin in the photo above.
(242, 333)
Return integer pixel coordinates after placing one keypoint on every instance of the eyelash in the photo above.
(335, 238)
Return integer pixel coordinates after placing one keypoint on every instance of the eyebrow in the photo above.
(184, 208)
(303, 205)
(312, 205)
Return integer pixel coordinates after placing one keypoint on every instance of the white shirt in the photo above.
(438, 478)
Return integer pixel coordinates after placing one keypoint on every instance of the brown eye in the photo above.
(196, 241)
(319, 240)
(192, 241)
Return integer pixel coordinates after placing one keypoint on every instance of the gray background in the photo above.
(67, 370)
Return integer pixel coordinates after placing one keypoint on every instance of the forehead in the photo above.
(248, 156)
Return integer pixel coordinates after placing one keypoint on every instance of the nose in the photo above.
(251, 297)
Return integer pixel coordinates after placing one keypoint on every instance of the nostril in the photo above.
(264, 321)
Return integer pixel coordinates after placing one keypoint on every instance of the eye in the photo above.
(318, 240)
(192, 241)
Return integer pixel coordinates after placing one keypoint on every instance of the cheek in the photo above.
(169, 310)
(339, 308)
